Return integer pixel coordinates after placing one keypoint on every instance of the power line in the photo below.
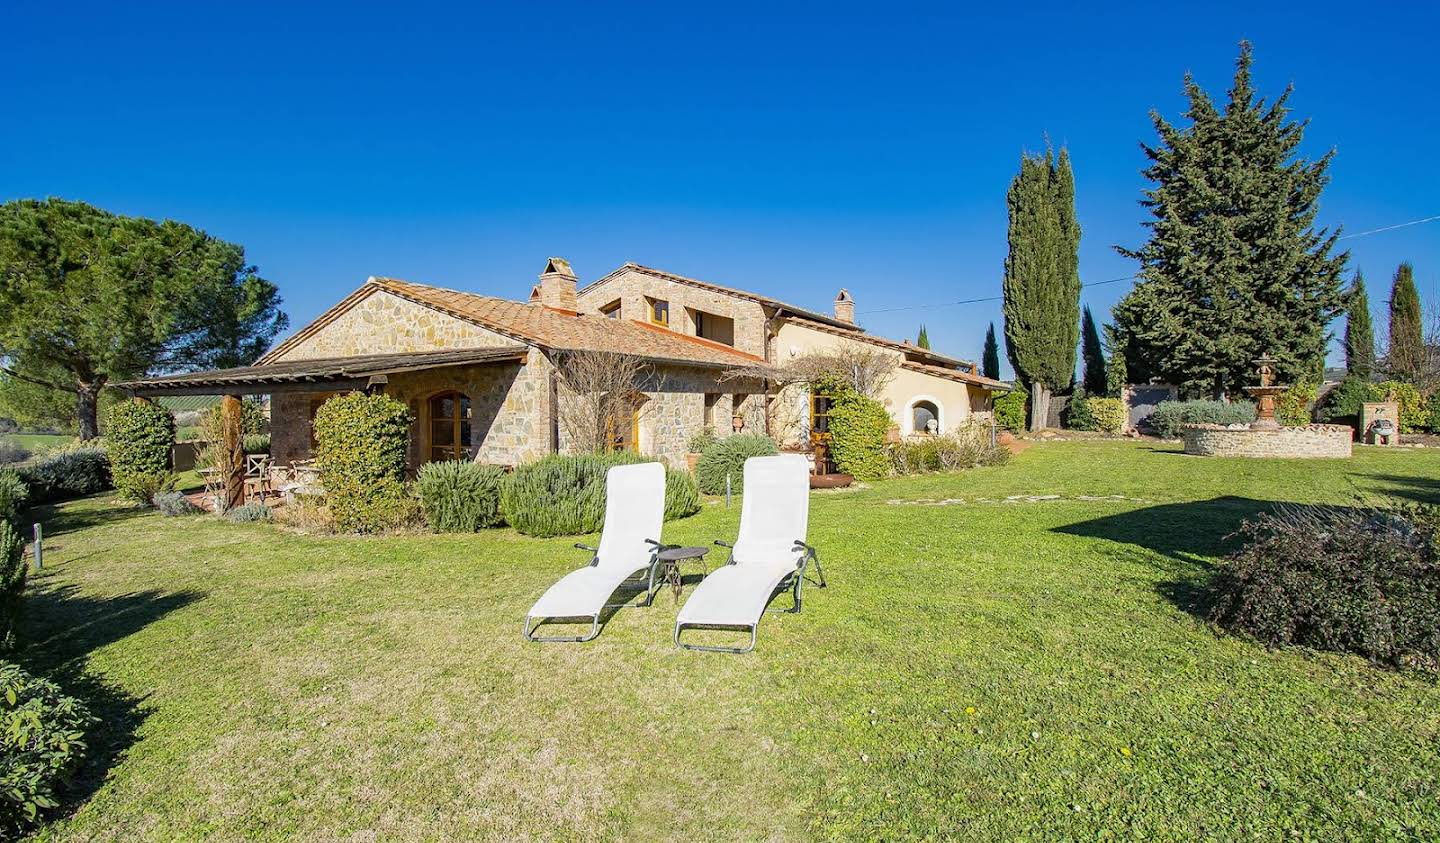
(1127, 277)
(1390, 227)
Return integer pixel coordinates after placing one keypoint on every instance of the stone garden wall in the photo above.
(1313, 441)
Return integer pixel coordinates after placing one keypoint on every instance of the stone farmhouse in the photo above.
(480, 373)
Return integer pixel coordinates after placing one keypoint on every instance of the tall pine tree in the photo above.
(990, 361)
(1234, 267)
(1406, 359)
(1359, 333)
(1092, 354)
(1042, 279)
(923, 341)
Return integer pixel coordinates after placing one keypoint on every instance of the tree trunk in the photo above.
(87, 409)
(1039, 406)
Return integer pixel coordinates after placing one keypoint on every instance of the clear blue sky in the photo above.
(791, 150)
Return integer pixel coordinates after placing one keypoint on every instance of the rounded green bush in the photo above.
(564, 494)
(1292, 407)
(858, 425)
(42, 739)
(726, 457)
(67, 472)
(1107, 415)
(459, 496)
(13, 493)
(1010, 408)
(12, 583)
(1342, 403)
(138, 435)
(360, 448)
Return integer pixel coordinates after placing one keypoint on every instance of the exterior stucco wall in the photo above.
(382, 323)
(631, 288)
(956, 401)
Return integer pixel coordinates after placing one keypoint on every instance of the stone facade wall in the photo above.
(631, 288)
(1314, 441)
(382, 323)
(509, 406)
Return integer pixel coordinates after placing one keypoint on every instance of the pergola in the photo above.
(367, 373)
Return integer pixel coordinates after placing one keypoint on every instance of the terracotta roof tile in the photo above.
(563, 331)
(957, 375)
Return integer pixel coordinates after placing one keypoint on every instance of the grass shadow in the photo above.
(61, 628)
(1419, 489)
(1189, 535)
(58, 519)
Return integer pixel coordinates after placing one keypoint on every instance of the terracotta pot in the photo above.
(830, 481)
(691, 461)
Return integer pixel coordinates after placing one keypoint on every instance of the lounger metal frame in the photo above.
(793, 581)
(649, 573)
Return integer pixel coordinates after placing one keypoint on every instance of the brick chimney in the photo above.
(556, 289)
(845, 307)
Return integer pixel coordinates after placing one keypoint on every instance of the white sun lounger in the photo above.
(769, 555)
(634, 512)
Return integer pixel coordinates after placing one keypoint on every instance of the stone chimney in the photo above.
(556, 289)
(845, 307)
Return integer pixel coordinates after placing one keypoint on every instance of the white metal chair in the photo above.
(769, 555)
(629, 541)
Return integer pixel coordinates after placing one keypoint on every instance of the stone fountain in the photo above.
(1265, 437)
(1264, 395)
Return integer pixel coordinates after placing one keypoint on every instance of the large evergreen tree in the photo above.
(1359, 333)
(88, 297)
(1406, 358)
(1234, 267)
(1091, 354)
(990, 360)
(1042, 279)
(923, 340)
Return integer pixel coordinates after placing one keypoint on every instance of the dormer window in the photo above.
(659, 312)
(611, 310)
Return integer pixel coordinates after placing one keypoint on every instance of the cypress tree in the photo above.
(924, 339)
(990, 362)
(1359, 333)
(1091, 354)
(1234, 266)
(1117, 377)
(1042, 279)
(1406, 359)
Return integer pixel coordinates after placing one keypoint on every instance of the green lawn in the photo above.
(36, 442)
(979, 669)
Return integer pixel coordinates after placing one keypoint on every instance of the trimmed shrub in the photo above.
(1108, 414)
(12, 583)
(459, 496)
(1432, 411)
(42, 739)
(12, 495)
(1011, 407)
(858, 425)
(963, 448)
(1413, 415)
(700, 440)
(1342, 403)
(1077, 412)
(174, 504)
(682, 494)
(12, 452)
(249, 513)
(560, 494)
(138, 435)
(1292, 407)
(1364, 581)
(564, 494)
(361, 442)
(67, 472)
(1170, 416)
(727, 457)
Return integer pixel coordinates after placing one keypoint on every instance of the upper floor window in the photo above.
(712, 327)
(611, 310)
(660, 312)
